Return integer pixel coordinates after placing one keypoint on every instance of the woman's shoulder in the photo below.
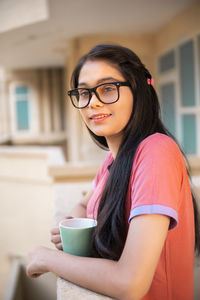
(159, 144)
(159, 140)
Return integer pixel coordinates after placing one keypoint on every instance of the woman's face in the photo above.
(107, 120)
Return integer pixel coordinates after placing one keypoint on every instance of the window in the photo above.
(187, 74)
(22, 107)
(179, 88)
(168, 106)
(167, 62)
(198, 70)
(189, 133)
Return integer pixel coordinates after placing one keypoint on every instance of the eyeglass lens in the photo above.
(107, 93)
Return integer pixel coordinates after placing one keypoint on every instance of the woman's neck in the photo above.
(114, 144)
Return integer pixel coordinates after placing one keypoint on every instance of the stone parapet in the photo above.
(73, 172)
(69, 291)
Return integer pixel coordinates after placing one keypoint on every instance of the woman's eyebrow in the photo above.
(99, 81)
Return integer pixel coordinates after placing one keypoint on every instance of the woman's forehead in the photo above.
(94, 71)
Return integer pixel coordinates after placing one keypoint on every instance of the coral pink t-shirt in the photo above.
(159, 185)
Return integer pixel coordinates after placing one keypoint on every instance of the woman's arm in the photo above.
(79, 210)
(129, 278)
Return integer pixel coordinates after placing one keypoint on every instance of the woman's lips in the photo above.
(99, 117)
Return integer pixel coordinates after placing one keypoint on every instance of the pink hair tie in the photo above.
(150, 81)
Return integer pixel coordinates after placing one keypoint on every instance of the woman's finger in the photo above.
(59, 246)
(55, 230)
(56, 239)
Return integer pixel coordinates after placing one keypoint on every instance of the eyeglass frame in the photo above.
(93, 90)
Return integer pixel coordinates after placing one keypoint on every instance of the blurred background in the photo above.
(47, 159)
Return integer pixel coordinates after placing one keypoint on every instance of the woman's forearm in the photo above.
(79, 211)
(99, 275)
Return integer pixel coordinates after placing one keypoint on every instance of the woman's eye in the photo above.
(84, 93)
(108, 88)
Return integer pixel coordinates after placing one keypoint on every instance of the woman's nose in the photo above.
(94, 101)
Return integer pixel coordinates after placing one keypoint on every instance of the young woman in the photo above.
(147, 218)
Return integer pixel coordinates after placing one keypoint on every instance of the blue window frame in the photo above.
(180, 91)
(167, 62)
(198, 60)
(22, 107)
(168, 107)
(189, 133)
(187, 74)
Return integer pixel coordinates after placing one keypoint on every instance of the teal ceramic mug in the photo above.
(76, 235)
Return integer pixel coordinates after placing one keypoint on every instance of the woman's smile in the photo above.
(97, 118)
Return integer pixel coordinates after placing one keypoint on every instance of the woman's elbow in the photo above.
(134, 289)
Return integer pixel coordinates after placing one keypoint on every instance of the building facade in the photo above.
(34, 107)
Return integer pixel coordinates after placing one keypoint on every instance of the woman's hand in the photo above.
(37, 264)
(55, 236)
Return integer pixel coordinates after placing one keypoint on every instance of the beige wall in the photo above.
(26, 213)
(181, 27)
(142, 44)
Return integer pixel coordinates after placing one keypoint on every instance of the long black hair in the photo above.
(110, 234)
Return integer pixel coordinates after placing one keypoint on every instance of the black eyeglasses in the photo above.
(106, 93)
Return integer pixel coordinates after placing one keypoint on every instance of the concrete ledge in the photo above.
(21, 287)
(14, 288)
(73, 173)
(69, 291)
